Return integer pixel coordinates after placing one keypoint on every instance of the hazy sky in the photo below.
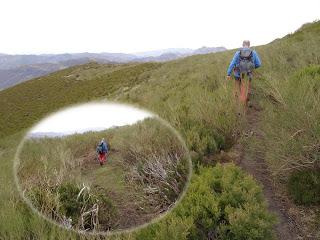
(90, 116)
(57, 26)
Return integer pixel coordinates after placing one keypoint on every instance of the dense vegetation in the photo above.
(192, 95)
(221, 203)
(304, 186)
(146, 172)
(292, 123)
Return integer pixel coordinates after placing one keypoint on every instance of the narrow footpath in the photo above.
(254, 164)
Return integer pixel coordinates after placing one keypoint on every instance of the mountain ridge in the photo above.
(15, 69)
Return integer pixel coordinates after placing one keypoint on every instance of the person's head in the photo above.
(246, 43)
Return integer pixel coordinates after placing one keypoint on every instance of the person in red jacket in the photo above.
(102, 150)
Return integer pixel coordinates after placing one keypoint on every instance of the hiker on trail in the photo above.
(243, 63)
(102, 151)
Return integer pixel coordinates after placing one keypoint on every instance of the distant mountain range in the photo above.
(15, 69)
(62, 134)
(157, 53)
(13, 76)
(46, 134)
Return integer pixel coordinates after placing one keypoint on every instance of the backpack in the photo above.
(99, 149)
(104, 147)
(246, 64)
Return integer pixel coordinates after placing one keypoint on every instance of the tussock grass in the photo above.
(304, 186)
(292, 128)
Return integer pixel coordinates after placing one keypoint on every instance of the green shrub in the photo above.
(73, 204)
(64, 201)
(304, 187)
(221, 203)
(70, 205)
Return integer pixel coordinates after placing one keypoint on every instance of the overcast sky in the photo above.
(93, 116)
(58, 26)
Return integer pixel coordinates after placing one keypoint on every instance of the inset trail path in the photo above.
(131, 207)
(254, 164)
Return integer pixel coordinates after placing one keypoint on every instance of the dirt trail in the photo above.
(256, 166)
(132, 209)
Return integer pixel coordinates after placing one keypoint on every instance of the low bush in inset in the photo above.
(71, 205)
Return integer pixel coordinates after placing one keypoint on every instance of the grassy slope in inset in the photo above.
(144, 156)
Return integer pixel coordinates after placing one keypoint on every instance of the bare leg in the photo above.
(244, 93)
(249, 90)
(237, 89)
(237, 94)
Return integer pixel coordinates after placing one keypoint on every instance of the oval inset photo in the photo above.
(102, 167)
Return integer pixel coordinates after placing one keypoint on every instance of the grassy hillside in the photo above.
(222, 202)
(18, 74)
(32, 100)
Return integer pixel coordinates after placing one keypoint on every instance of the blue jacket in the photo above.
(236, 60)
(102, 147)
